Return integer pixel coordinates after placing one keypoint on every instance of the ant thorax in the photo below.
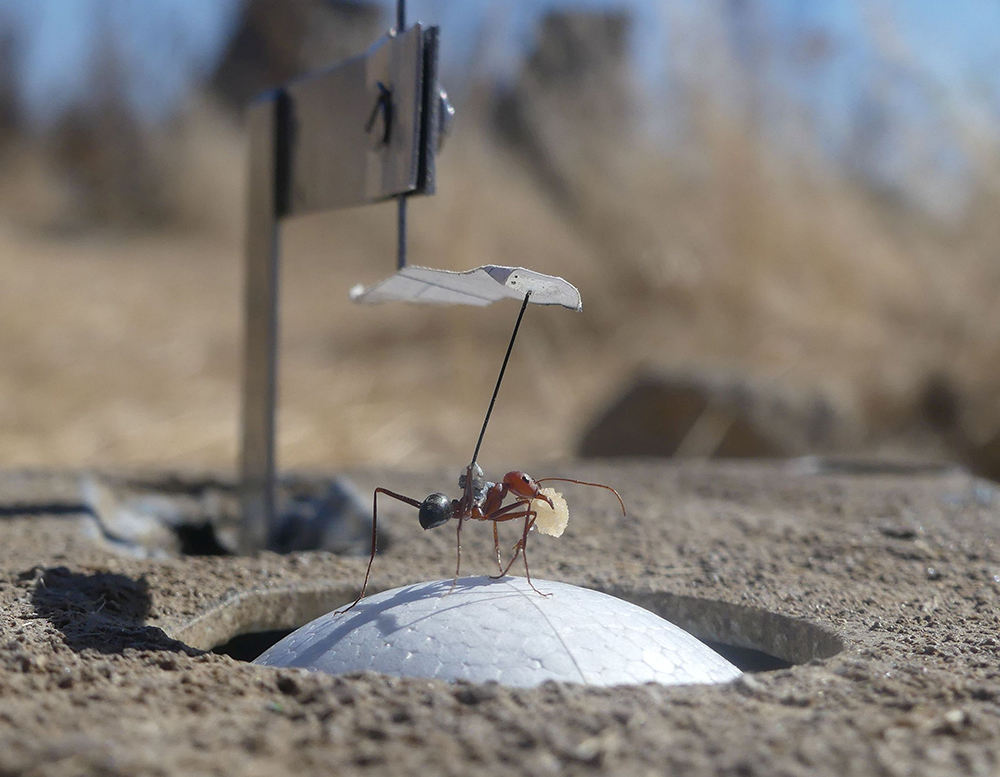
(480, 485)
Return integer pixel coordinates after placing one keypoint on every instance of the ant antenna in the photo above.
(503, 367)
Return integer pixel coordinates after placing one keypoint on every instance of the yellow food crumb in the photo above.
(551, 520)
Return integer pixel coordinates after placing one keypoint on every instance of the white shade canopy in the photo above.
(481, 286)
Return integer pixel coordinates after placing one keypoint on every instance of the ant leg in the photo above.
(501, 514)
(504, 514)
(521, 548)
(585, 483)
(496, 547)
(458, 559)
(517, 550)
(371, 558)
(528, 523)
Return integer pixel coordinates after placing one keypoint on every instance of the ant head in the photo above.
(524, 485)
(435, 510)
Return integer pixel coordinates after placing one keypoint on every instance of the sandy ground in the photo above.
(102, 669)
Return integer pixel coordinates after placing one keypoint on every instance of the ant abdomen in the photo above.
(435, 510)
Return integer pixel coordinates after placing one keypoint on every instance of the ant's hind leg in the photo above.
(371, 558)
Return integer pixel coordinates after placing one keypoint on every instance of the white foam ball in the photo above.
(502, 630)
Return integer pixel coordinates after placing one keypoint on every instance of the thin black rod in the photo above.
(503, 368)
(401, 200)
(401, 232)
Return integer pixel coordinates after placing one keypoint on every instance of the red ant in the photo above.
(481, 500)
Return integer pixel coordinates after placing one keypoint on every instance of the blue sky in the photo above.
(170, 43)
(508, 27)
(874, 48)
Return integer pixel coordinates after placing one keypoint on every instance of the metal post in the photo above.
(401, 202)
(261, 328)
(317, 144)
(401, 232)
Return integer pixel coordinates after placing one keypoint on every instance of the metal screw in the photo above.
(446, 115)
(379, 124)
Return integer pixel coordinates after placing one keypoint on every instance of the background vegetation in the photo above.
(840, 293)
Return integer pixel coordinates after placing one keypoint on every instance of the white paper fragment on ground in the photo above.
(482, 286)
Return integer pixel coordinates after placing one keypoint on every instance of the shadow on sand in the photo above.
(102, 611)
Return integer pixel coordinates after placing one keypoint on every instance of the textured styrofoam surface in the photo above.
(502, 630)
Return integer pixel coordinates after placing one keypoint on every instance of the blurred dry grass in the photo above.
(122, 347)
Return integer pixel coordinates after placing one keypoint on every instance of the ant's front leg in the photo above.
(496, 515)
(521, 547)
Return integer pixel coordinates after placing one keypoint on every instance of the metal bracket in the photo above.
(364, 131)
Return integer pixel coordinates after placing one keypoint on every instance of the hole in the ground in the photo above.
(172, 516)
(747, 659)
(754, 640)
(767, 634)
(260, 611)
(246, 647)
(199, 540)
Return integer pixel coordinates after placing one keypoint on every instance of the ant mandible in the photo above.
(482, 500)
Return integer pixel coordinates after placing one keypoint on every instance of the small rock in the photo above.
(952, 722)
(747, 683)
(680, 414)
(287, 685)
(475, 694)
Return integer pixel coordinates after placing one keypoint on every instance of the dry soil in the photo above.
(880, 586)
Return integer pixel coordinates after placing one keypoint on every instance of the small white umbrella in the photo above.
(481, 286)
